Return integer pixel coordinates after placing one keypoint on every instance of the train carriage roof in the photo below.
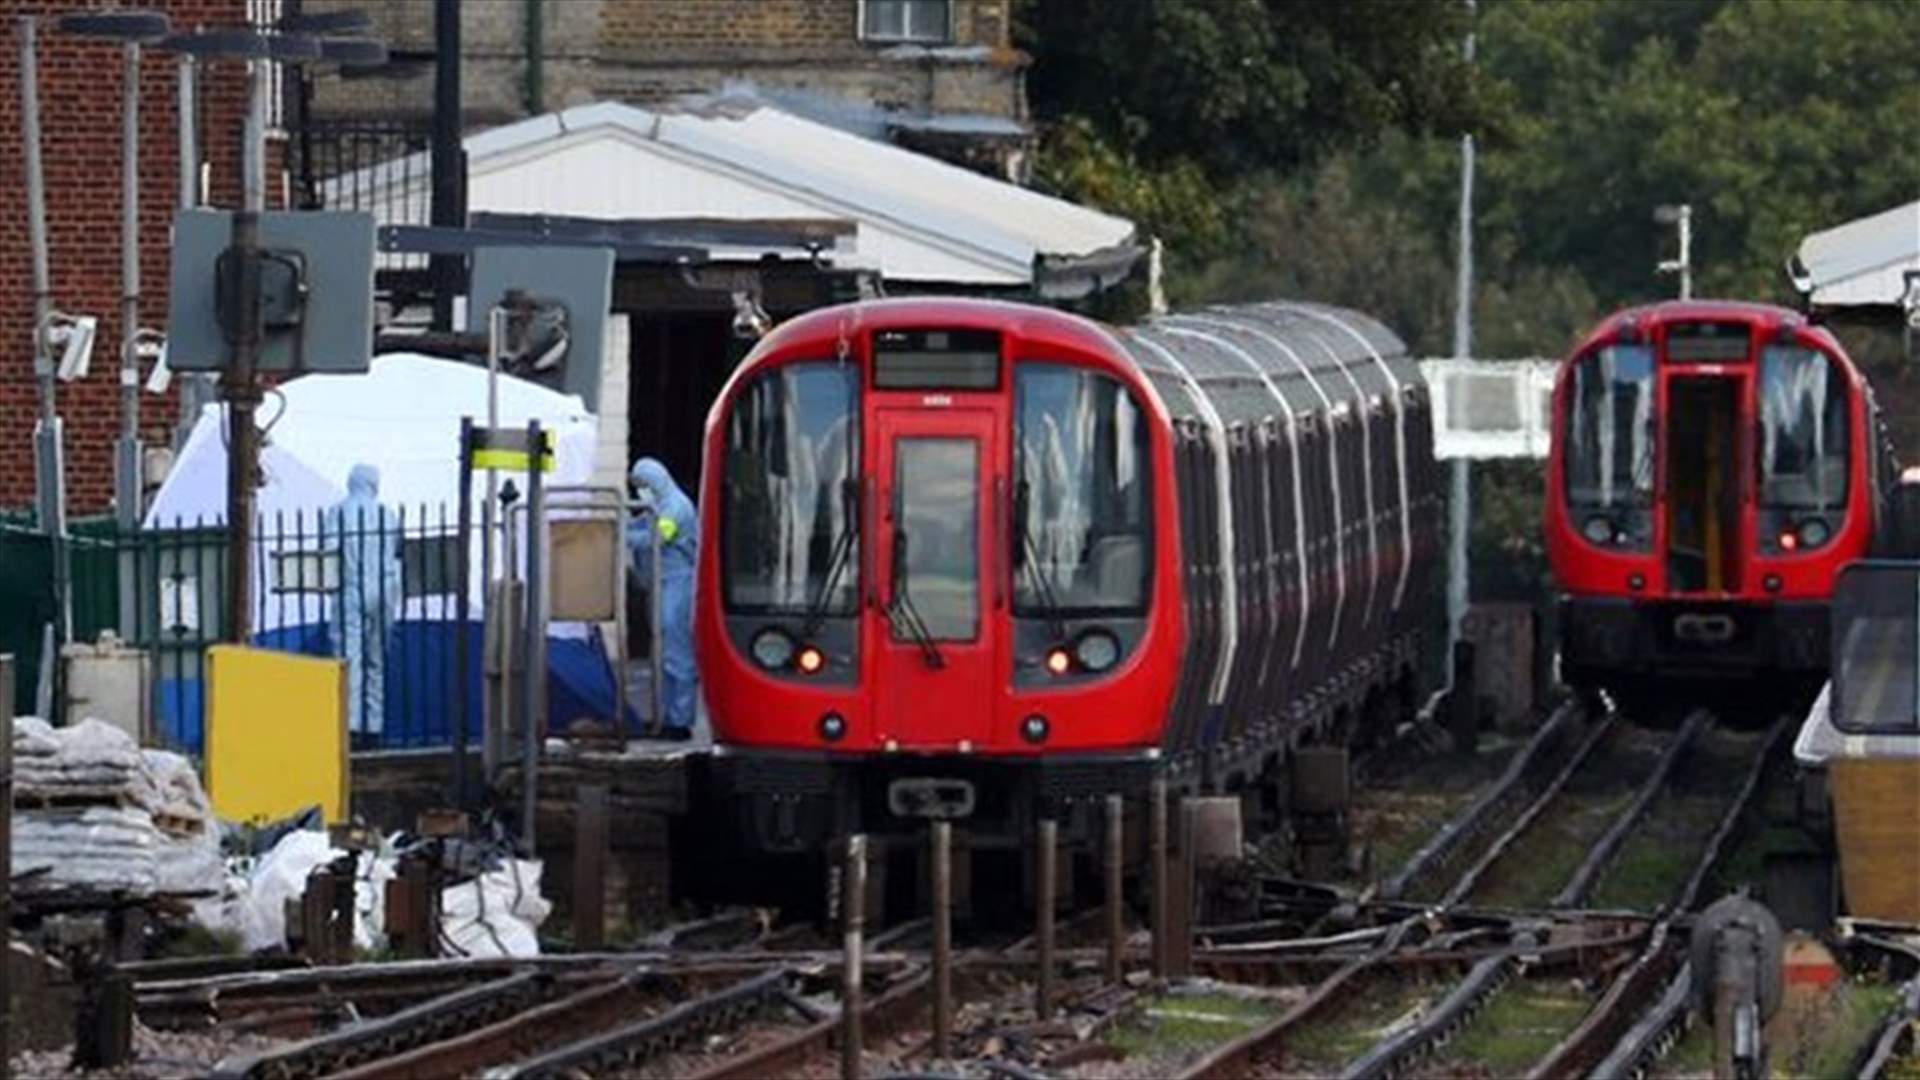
(1239, 357)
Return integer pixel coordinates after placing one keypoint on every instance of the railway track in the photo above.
(1427, 1012)
(1478, 931)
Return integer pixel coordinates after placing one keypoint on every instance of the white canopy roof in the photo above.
(402, 417)
(737, 158)
(1861, 263)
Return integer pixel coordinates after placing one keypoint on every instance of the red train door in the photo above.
(935, 647)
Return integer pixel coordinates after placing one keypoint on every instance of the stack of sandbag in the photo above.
(188, 858)
(93, 811)
(83, 809)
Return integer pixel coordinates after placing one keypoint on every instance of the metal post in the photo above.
(127, 451)
(1116, 923)
(656, 664)
(1157, 900)
(49, 457)
(942, 835)
(449, 171)
(853, 902)
(1686, 251)
(462, 615)
(1459, 510)
(492, 720)
(590, 868)
(534, 681)
(194, 388)
(1185, 894)
(239, 385)
(1046, 855)
(6, 860)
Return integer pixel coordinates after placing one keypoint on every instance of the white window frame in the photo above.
(263, 16)
(945, 37)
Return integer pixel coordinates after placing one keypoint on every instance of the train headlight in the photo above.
(810, 660)
(833, 726)
(1034, 728)
(1597, 529)
(1097, 650)
(1059, 661)
(772, 649)
(1814, 532)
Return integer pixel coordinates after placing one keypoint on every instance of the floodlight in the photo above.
(353, 21)
(1669, 214)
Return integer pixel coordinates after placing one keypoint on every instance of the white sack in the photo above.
(496, 914)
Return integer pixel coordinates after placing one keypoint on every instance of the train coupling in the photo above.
(941, 798)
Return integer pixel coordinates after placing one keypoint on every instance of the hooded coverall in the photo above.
(672, 514)
(369, 537)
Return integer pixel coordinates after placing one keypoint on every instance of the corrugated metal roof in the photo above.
(1863, 262)
(1000, 228)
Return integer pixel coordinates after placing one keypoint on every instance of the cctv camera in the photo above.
(77, 358)
(162, 376)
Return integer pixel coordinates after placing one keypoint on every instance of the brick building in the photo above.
(936, 75)
(80, 87)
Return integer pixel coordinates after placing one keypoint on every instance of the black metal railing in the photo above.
(381, 166)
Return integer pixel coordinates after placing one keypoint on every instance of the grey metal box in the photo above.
(335, 326)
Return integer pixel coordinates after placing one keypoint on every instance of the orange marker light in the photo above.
(809, 660)
(1058, 661)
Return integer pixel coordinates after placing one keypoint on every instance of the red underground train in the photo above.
(1714, 465)
(970, 558)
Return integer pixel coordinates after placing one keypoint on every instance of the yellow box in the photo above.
(276, 738)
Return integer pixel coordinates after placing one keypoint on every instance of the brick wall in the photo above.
(80, 88)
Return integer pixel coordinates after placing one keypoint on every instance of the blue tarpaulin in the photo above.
(422, 659)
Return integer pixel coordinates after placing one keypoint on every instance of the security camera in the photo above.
(76, 359)
(162, 376)
(750, 321)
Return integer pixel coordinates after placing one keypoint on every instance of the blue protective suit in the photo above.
(672, 515)
(369, 537)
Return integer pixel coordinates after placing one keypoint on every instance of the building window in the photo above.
(924, 21)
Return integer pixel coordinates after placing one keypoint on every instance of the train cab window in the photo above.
(1082, 531)
(789, 520)
(1609, 455)
(1803, 445)
(1876, 655)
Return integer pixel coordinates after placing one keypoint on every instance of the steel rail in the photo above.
(388, 1035)
(1236, 1058)
(1581, 884)
(617, 1052)
(1896, 1031)
(554, 1022)
(1442, 847)
(1400, 1051)
(1610, 1018)
(1464, 885)
(1655, 1032)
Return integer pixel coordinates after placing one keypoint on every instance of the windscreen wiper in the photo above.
(901, 612)
(838, 560)
(1042, 587)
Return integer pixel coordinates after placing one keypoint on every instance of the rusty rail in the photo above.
(1464, 885)
(1584, 878)
(1615, 1014)
(1444, 845)
(618, 1052)
(383, 1037)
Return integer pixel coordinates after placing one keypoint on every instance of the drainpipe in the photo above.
(535, 40)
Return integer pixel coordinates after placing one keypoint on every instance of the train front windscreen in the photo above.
(1876, 649)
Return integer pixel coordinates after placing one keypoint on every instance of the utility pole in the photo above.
(50, 496)
(449, 208)
(239, 384)
(1459, 512)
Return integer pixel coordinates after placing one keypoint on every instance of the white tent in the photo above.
(403, 417)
